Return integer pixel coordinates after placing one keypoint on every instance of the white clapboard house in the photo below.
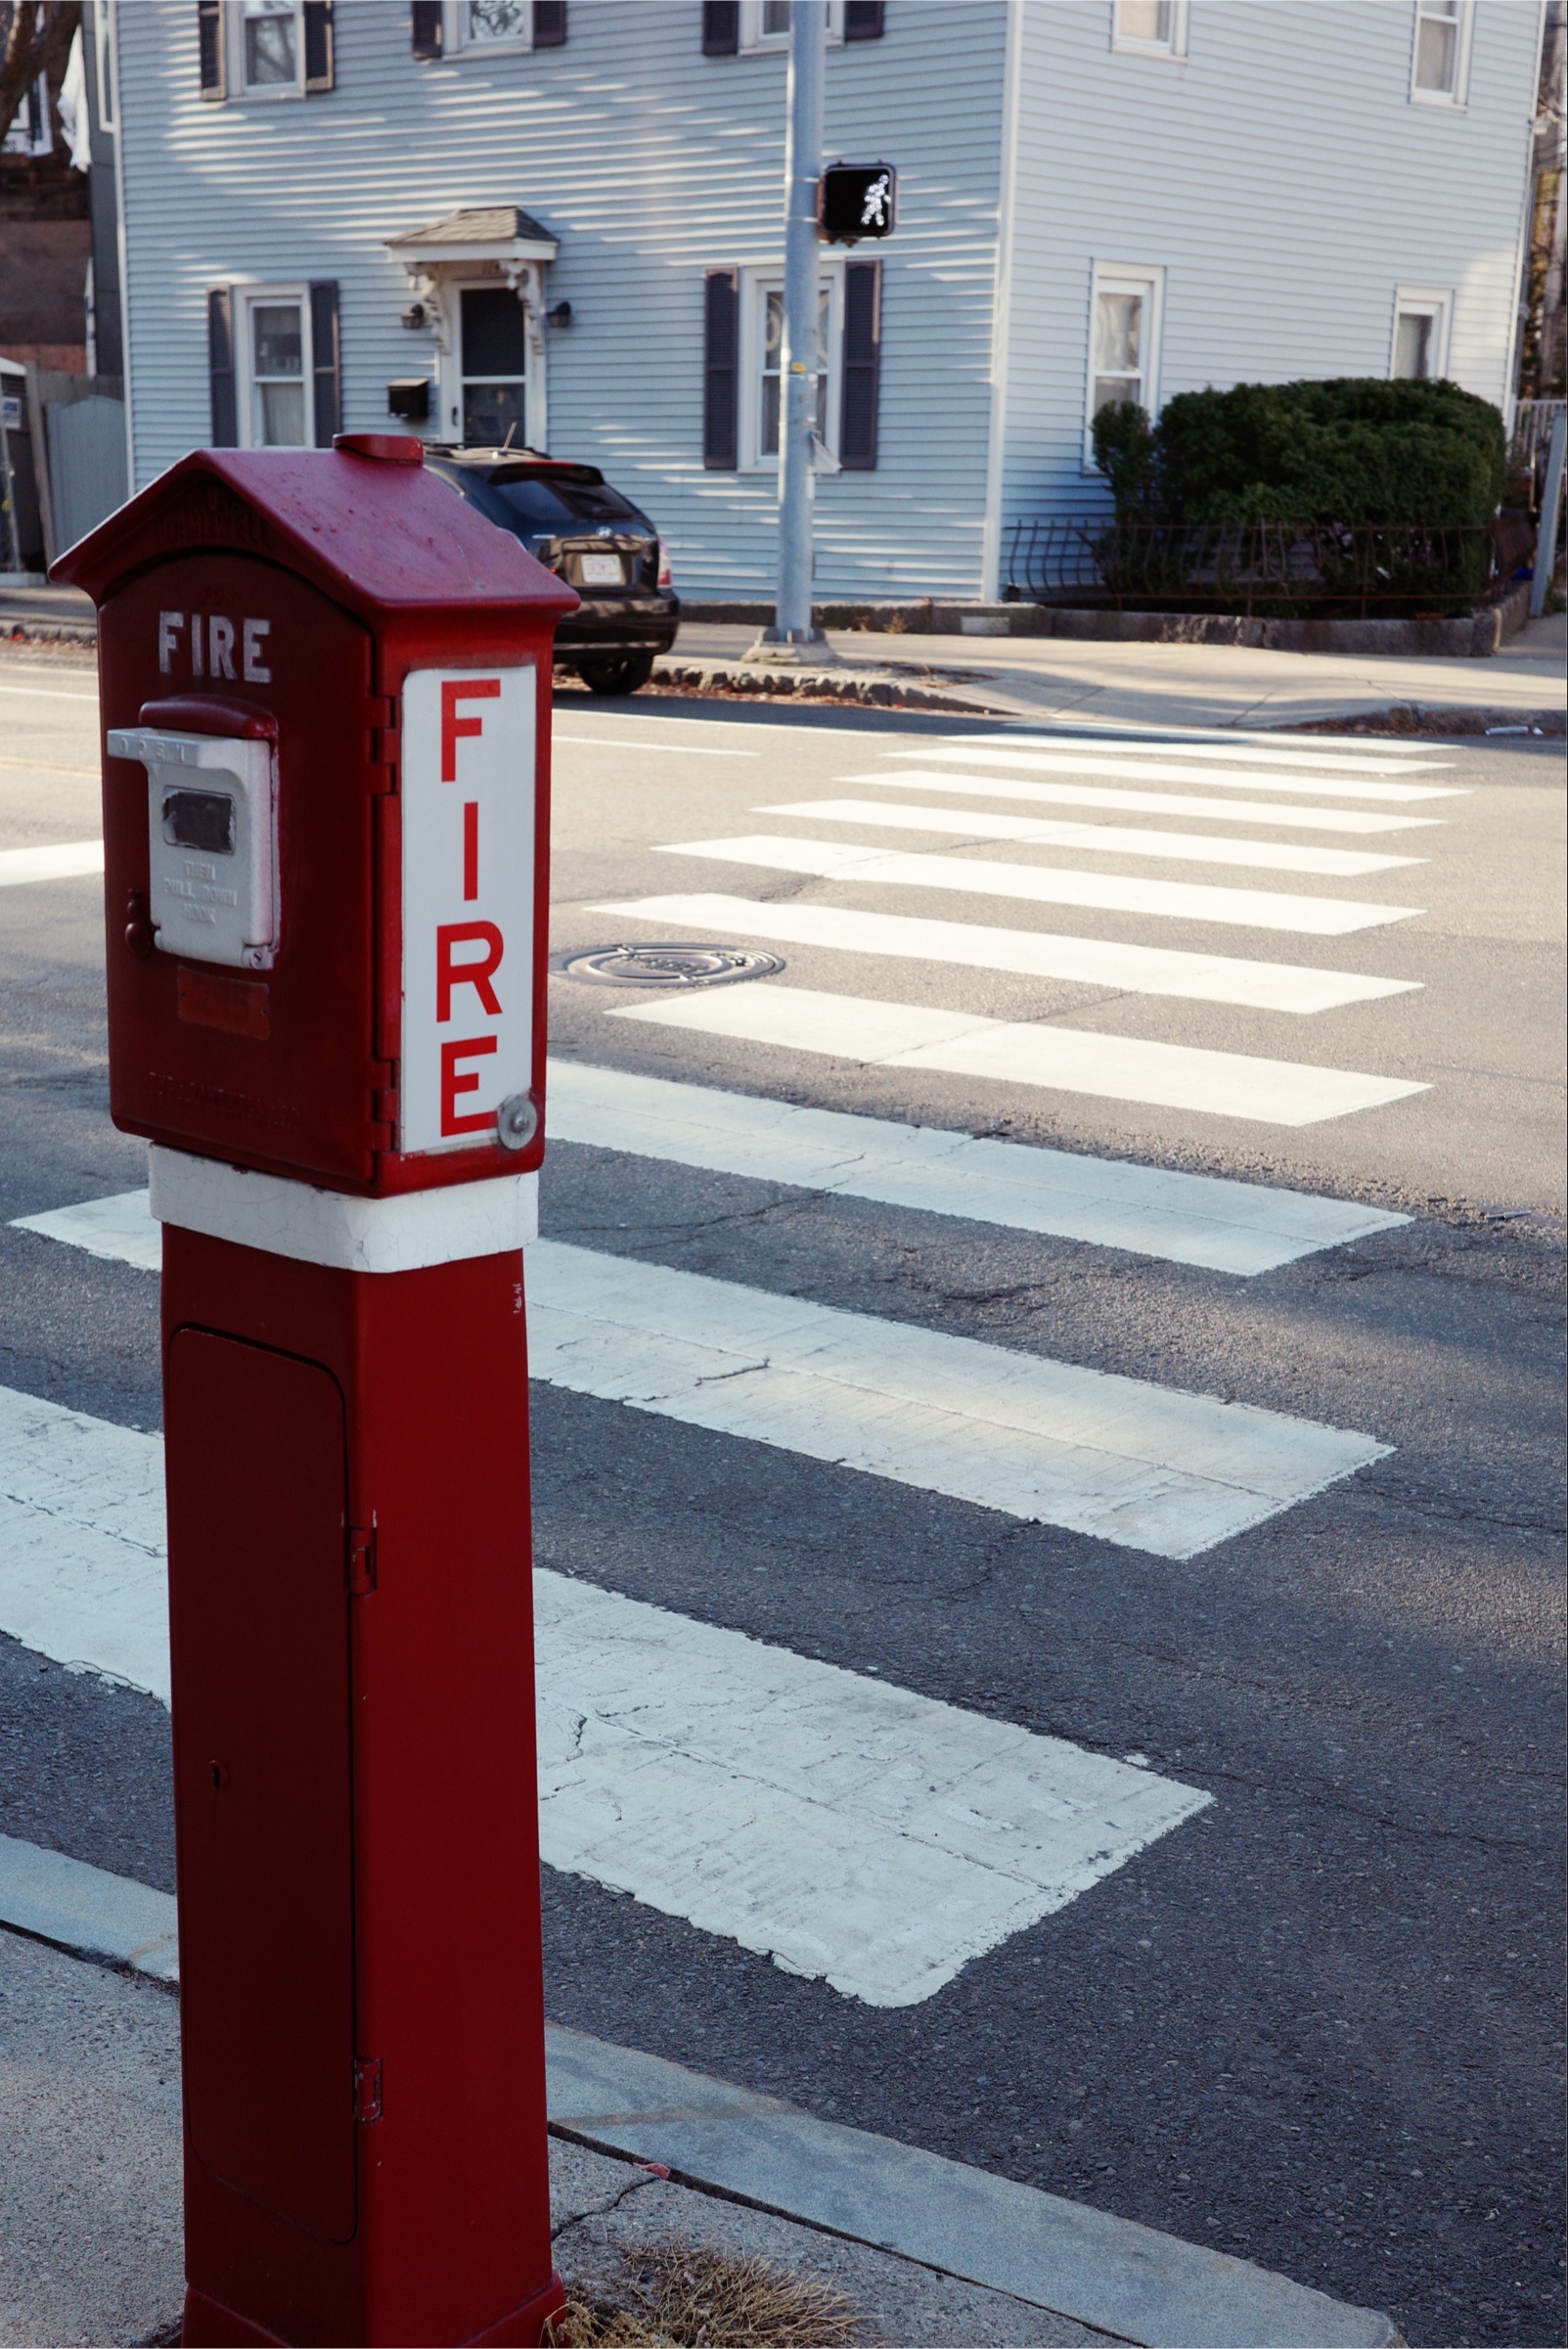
(564, 218)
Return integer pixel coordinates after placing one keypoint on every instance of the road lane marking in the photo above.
(1120, 800)
(1048, 884)
(897, 1035)
(1228, 1227)
(48, 693)
(119, 1228)
(1103, 839)
(1240, 1227)
(1093, 763)
(81, 1541)
(1028, 954)
(855, 1833)
(62, 863)
(1336, 763)
(1145, 1467)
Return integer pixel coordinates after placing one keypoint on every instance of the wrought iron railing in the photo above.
(1260, 569)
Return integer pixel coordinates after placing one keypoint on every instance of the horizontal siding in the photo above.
(651, 164)
(1285, 184)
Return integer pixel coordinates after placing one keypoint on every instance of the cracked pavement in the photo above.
(1320, 2026)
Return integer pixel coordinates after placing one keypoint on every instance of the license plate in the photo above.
(602, 570)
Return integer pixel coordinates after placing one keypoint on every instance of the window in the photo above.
(1420, 350)
(32, 129)
(495, 367)
(271, 51)
(1123, 331)
(765, 23)
(277, 360)
(761, 349)
(1442, 60)
(1149, 28)
(497, 22)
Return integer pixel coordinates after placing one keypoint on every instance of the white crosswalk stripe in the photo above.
(1048, 884)
(1245, 1228)
(1256, 752)
(1120, 799)
(900, 1035)
(858, 1834)
(1026, 953)
(1144, 1466)
(1240, 1227)
(66, 862)
(1102, 839)
(1166, 762)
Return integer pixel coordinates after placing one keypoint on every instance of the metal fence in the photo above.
(1262, 569)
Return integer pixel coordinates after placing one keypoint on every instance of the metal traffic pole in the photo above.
(791, 636)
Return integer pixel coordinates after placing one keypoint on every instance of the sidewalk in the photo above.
(1061, 678)
(931, 2252)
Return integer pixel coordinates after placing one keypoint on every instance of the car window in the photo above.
(536, 504)
(545, 502)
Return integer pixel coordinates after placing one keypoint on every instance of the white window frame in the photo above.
(263, 93)
(20, 138)
(458, 41)
(252, 298)
(1133, 44)
(1125, 277)
(756, 284)
(1454, 99)
(104, 62)
(755, 42)
(1423, 301)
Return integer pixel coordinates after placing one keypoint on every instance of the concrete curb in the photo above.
(1474, 635)
(1109, 2273)
(1148, 2289)
(87, 1910)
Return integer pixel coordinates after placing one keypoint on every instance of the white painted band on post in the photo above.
(402, 1235)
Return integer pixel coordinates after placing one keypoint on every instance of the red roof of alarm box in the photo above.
(363, 520)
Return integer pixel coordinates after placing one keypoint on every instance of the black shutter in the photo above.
(220, 367)
(209, 46)
(863, 20)
(721, 27)
(721, 371)
(319, 44)
(862, 363)
(325, 367)
(426, 27)
(550, 23)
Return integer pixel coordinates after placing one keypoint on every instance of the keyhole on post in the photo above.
(220, 1776)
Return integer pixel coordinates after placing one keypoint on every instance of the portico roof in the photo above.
(490, 232)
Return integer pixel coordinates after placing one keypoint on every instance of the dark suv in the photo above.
(592, 537)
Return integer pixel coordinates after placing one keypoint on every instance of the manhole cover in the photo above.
(665, 966)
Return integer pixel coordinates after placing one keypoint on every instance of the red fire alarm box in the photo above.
(326, 698)
(325, 704)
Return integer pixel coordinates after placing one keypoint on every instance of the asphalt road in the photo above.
(1316, 2024)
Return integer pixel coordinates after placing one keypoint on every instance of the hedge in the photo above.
(1349, 450)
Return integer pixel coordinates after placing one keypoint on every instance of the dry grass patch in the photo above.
(680, 2295)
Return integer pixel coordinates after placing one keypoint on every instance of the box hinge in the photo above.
(367, 2088)
(361, 1559)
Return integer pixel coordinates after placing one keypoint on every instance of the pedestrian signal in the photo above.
(857, 199)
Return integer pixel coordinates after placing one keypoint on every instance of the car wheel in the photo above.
(621, 676)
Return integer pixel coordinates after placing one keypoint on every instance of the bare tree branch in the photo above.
(37, 40)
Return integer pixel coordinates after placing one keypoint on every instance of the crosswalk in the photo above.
(855, 1833)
